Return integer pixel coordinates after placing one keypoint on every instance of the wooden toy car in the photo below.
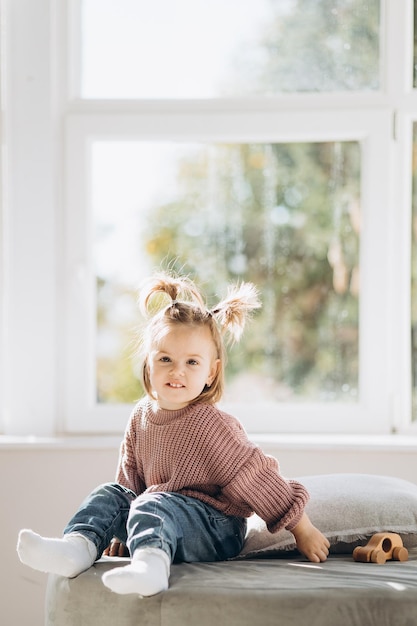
(380, 548)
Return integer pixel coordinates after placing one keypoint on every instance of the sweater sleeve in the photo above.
(251, 479)
(129, 473)
(259, 484)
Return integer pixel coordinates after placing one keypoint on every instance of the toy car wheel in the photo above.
(378, 556)
(400, 554)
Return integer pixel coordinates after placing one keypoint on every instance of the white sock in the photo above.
(68, 556)
(147, 574)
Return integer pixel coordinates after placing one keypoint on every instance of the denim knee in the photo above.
(103, 515)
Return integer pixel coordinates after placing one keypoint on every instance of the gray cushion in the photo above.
(348, 509)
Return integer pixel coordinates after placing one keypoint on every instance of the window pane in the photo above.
(227, 48)
(285, 216)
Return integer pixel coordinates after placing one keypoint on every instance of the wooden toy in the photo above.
(380, 548)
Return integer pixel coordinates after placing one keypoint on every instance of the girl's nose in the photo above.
(177, 369)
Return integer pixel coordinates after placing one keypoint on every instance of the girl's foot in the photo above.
(68, 556)
(147, 574)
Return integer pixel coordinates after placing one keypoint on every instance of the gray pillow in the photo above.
(348, 509)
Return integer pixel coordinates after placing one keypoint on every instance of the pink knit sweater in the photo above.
(204, 453)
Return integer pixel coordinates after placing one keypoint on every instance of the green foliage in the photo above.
(117, 380)
(283, 217)
(325, 45)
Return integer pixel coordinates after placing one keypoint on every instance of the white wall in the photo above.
(40, 489)
(42, 485)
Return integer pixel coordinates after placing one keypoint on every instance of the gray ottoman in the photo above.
(269, 592)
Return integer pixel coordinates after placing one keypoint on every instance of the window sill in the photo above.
(338, 442)
(283, 442)
(61, 442)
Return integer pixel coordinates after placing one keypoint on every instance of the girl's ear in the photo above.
(145, 375)
(213, 372)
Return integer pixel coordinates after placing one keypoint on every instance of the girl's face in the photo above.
(182, 364)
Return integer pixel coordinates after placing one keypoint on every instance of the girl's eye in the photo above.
(165, 359)
(192, 362)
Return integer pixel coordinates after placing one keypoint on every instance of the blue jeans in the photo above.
(187, 529)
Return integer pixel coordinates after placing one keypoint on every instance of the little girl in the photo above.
(188, 476)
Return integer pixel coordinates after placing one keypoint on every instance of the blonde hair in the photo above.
(186, 306)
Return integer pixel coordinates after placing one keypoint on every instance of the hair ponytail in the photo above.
(232, 313)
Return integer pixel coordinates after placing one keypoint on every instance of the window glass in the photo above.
(285, 216)
(227, 48)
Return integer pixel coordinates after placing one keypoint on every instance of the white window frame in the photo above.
(48, 294)
(372, 129)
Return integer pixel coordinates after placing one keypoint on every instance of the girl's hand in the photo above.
(310, 541)
(116, 548)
